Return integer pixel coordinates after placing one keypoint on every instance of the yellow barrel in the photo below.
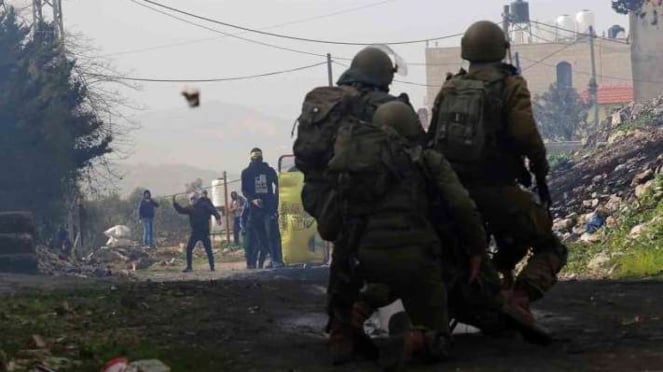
(300, 240)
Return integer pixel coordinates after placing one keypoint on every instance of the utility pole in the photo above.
(329, 70)
(506, 22)
(58, 19)
(516, 58)
(593, 86)
(227, 207)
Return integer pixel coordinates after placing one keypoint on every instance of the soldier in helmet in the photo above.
(402, 254)
(483, 123)
(371, 72)
(398, 246)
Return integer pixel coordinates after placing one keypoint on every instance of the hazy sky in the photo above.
(128, 34)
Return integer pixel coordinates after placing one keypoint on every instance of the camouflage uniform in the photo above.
(398, 246)
(512, 214)
(371, 73)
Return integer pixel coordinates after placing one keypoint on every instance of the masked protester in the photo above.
(260, 188)
(199, 212)
(483, 123)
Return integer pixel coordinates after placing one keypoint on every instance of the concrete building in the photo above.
(647, 50)
(542, 64)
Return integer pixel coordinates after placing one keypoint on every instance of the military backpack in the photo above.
(324, 111)
(469, 119)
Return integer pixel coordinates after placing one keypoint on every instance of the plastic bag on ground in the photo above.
(118, 232)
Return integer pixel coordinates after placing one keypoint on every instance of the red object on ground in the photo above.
(118, 364)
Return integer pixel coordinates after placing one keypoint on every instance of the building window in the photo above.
(564, 74)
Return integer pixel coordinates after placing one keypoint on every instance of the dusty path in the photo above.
(272, 321)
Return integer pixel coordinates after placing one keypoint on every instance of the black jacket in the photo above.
(146, 208)
(259, 181)
(199, 215)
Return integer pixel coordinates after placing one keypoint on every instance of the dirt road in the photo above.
(272, 321)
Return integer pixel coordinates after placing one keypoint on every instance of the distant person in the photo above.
(260, 187)
(82, 217)
(62, 242)
(199, 212)
(146, 215)
(237, 205)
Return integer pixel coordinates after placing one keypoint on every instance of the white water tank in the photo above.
(217, 194)
(566, 28)
(584, 19)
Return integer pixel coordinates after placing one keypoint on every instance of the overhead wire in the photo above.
(558, 28)
(597, 75)
(293, 50)
(210, 80)
(541, 60)
(227, 34)
(287, 23)
(290, 37)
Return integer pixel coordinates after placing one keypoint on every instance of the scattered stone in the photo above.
(613, 204)
(642, 177)
(598, 262)
(616, 137)
(637, 230)
(619, 168)
(611, 222)
(39, 342)
(563, 224)
(590, 238)
(641, 190)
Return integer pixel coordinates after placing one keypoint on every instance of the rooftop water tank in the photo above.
(584, 20)
(566, 28)
(519, 10)
(218, 195)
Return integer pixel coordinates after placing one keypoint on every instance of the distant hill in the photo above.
(215, 136)
(165, 179)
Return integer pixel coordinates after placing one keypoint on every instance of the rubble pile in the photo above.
(105, 261)
(617, 166)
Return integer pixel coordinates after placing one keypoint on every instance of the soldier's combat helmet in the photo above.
(375, 65)
(484, 41)
(401, 117)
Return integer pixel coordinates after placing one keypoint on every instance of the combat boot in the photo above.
(397, 351)
(521, 318)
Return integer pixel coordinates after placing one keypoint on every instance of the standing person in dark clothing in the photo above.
(199, 213)
(146, 215)
(237, 206)
(260, 187)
